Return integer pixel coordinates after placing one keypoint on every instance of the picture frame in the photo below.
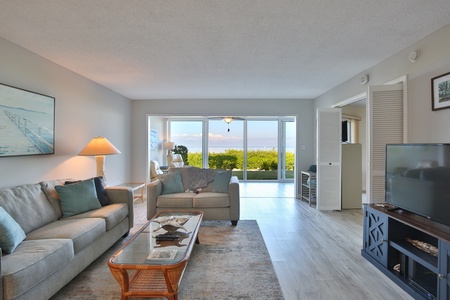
(153, 140)
(27, 122)
(440, 92)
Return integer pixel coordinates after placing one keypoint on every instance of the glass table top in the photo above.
(144, 248)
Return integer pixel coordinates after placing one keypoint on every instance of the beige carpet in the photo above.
(229, 263)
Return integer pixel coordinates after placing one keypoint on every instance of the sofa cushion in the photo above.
(11, 234)
(113, 214)
(32, 262)
(171, 183)
(28, 205)
(49, 189)
(210, 199)
(175, 200)
(83, 232)
(78, 197)
(221, 182)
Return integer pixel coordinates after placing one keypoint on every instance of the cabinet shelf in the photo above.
(427, 260)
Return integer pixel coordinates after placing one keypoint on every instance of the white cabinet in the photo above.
(351, 176)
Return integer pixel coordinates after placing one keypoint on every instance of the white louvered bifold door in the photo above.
(328, 159)
(385, 109)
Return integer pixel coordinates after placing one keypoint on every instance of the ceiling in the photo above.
(225, 49)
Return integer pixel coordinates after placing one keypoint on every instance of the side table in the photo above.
(135, 186)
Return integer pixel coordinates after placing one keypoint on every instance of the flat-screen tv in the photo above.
(418, 179)
(345, 132)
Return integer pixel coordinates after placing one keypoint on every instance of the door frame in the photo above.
(361, 96)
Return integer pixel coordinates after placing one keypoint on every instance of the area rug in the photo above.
(231, 262)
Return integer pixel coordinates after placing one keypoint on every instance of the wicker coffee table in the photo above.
(151, 268)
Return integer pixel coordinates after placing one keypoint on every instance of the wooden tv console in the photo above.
(385, 245)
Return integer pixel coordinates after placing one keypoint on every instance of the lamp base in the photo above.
(100, 162)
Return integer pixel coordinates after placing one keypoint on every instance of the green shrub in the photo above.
(195, 159)
(234, 159)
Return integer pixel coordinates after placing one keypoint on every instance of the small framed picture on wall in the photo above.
(440, 92)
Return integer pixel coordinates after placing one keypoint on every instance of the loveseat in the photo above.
(53, 236)
(214, 192)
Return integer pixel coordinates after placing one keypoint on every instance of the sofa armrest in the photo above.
(154, 189)
(234, 198)
(118, 194)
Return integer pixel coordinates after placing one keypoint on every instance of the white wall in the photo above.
(84, 110)
(424, 125)
(302, 108)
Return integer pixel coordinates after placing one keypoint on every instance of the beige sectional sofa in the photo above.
(216, 198)
(57, 248)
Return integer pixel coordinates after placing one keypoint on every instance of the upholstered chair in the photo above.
(155, 170)
(175, 160)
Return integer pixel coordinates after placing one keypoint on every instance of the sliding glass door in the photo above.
(262, 149)
(254, 148)
(226, 146)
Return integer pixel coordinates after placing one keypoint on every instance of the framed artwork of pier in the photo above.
(27, 122)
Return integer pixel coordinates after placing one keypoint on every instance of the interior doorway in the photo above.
(354, 111)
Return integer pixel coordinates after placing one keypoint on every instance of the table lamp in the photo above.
(169, 146)
(99, 147)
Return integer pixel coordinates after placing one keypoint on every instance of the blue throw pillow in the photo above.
(99, 188)
(221, 182)
(78, 198)
(11, 234)
(101, 193)
(171, 183)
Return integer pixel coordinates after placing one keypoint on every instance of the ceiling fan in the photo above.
(227, 120)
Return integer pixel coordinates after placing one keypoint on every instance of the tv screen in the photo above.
(345, 132)
(418, 179)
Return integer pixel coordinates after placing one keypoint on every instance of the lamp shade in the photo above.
(99, 146)
(169, 145)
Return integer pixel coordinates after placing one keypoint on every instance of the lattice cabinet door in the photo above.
(376, 235)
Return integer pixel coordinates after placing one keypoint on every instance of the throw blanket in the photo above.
(199, 178)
